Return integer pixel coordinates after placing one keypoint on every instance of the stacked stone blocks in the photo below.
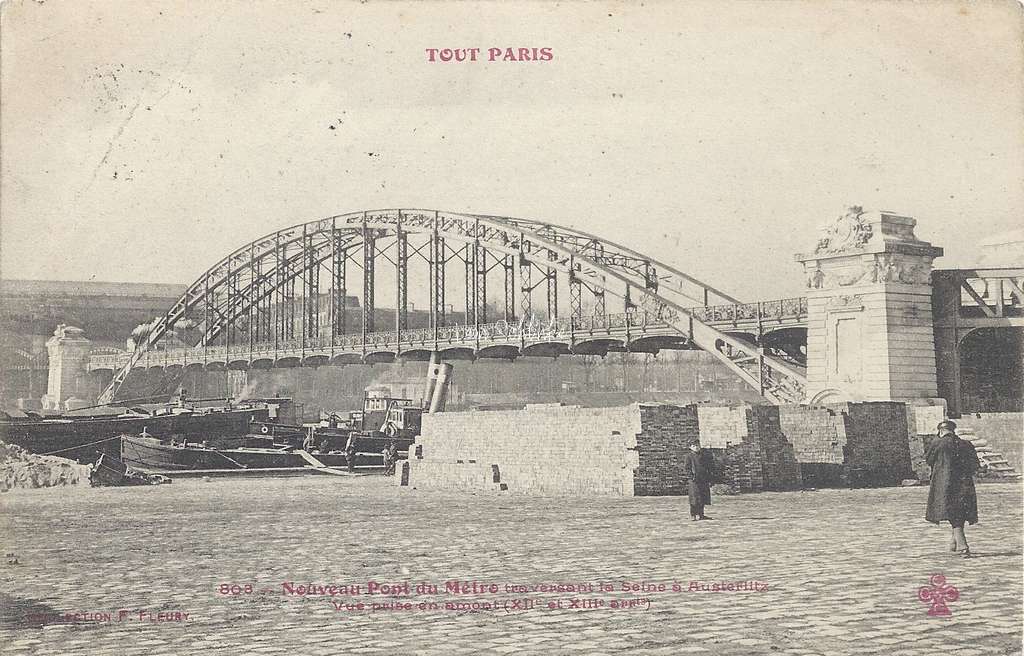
(639, 449)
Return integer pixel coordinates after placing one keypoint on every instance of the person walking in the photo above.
(697, 466)
(951, 495)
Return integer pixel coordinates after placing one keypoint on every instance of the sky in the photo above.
(143, 141)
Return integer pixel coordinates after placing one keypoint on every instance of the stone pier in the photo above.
(869, 311)
(68, 379)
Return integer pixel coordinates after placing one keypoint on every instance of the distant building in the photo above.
(106, 311)
(30, 310)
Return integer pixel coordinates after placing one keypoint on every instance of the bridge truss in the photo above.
(292, 287)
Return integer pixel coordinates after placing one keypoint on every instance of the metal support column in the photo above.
(254, 289)
(552, 279)
(437, 262)
(402, 280)
(470, 280)
(599, 307)
(230, 329)
(575, 299)
(206, 318)
(369, 250)
(479, 284)
(304, 270)
(508, 264)
(279, 293)
(312, 292)
(290, 286)
(339, 293)
(525, 286)
(265, 318)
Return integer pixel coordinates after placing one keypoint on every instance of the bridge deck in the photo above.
(638, 331)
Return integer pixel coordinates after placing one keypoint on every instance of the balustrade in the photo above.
(533, 330)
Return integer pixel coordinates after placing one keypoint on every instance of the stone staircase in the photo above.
(993, 463)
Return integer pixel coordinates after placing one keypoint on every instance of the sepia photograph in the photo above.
(527, 327)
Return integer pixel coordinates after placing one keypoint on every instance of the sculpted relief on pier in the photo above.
(881, 267)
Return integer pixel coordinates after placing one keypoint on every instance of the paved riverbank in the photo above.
(152, 570)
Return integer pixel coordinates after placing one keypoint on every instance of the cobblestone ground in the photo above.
(842, 568)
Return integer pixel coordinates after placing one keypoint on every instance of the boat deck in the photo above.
(263, 471)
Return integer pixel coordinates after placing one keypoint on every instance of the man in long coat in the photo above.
(952, 496)
(697, 466)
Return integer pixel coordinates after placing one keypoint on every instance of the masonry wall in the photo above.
(819, 442)
(541, 450)
(639, 449)
(1004, 432)
(850, 444)
(751, 452)
(877, 443)
(667, 431)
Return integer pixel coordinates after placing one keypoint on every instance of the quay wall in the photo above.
(638, 449)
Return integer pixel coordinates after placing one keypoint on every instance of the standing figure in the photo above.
(350, 452)
(390, 458)
(697, 466)
(951, 496)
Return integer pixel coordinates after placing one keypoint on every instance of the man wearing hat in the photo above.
(697, 466)
(951, 496)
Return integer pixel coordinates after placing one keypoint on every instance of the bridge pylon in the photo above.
(869, 311)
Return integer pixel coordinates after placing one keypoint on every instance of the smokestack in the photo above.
(444, 375)
(432, 371)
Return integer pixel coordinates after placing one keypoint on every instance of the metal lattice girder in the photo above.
(369, 251)
(237, 285)
(525, 270)
(508, 264)
(602, 251)
(339, 300)
(232, 294)
(552, 295)
(575, 298)
(599, 308)
(437, 268)
(254, 325)
(470, 283)
(311, 292)
(402, 281)
(479, 283)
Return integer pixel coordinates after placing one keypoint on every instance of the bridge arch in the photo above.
(991, 361)
(288, 292)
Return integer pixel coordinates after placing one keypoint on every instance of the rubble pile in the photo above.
(21, 469)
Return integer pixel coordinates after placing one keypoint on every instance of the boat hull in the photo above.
(85, 439)
(153, 455)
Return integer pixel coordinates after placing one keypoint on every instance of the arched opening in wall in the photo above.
(992, 370)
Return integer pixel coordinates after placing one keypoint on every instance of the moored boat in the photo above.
(83, 437)
(152, 454)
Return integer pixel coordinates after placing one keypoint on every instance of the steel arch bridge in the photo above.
(289, 292)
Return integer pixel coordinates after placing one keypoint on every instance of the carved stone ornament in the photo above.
(887, 268)
(818, 279)
(849, 231)
(815, 278)
(882, 268)
(854, 302)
